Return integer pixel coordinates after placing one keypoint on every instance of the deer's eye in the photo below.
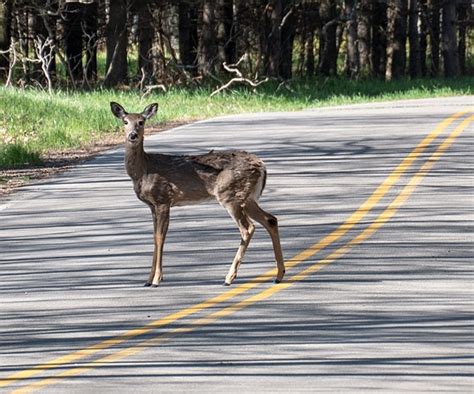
(125, 122)
(141, 123)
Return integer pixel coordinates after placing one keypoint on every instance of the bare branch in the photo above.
(285, 18)
(45, 58)
(238, 80)
(232, 68)
(150, 88)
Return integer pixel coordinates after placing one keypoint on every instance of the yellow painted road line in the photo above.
(383, 218)
(377, 195)
(355, 218)
(392, 208)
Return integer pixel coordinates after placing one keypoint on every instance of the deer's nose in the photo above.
(133, 136)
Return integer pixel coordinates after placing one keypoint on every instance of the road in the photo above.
(375, 204)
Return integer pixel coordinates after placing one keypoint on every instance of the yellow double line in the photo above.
(354, 219)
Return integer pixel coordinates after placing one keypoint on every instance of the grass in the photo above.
(33, 123)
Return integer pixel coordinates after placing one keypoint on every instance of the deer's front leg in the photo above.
(161, 215)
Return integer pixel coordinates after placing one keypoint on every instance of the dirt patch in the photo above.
(55, 162)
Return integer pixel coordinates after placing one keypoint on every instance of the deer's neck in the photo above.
(135, 161)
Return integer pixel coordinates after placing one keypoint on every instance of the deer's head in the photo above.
(134, 124)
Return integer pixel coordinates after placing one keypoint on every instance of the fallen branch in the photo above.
(232, 68)
(236, 80)
(150, 88)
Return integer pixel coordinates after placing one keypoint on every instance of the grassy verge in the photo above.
(33, 124)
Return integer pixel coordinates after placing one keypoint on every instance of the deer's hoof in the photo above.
(153, 285)
(147, 284)
(227, 284)
(277, 281)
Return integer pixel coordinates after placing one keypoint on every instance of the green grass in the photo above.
(33, 123)
(12, 154)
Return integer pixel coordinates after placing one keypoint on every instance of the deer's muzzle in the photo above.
(132, 137)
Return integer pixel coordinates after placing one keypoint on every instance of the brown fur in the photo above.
(235, 178)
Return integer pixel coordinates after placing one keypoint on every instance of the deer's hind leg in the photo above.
(270, 223)
(247, 229)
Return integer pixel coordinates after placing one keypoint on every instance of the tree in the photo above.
(90, 25)
(273, 39)
(464, 15)
(208, 42)
(371, 35)
(188, 33)
(145, 33)
(414, 38)
(72, 23)
(363, 36)
(116, 43)
(435, 36)
(309, 52)
(396, 42)
(465, 21)
(307, 20)
(225, 31)
(379, 38)
(288, 31)
(277, 38)
(80, 35)
(5, 36)
(424, 30)
(352, 60)
(450, 48)
(327, 42)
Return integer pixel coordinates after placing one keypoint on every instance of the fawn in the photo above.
(235, 178)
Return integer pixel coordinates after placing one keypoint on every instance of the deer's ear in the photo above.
(150, 110)
(118, 110)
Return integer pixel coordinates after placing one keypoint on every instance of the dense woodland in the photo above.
(156, 44)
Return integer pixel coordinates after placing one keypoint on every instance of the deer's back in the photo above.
(180, 180)
(241, 175)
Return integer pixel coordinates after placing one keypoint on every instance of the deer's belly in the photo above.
(191, 200)
(154, 192)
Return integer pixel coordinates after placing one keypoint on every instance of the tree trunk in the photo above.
(145, 42)
(310, 53)
(73, 38)
(352, 50)
(396, 45)
(414, 37)
(423, 37)
(435, 36)
(208, 47)
(272, 66)
(91, 15)
(188, 34)
(20, 31)
(221, 32)
(243, 34)
(288, 31)
(5, 37)
(225, 31)
(363, 34)
(116, 43)
(463, 17)
(328, 48)
(450, 48)
(379, 39)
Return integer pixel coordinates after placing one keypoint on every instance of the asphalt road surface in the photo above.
(375, 204)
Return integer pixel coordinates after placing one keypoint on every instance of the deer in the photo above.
(234, 178)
